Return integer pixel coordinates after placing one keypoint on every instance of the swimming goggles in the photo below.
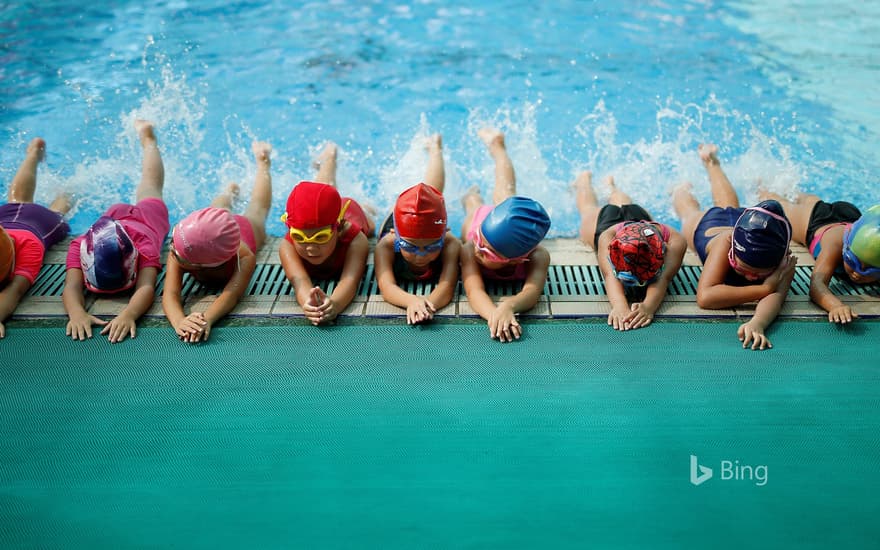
(748, 274)
(492, 256)
(402, 245)
(320, 237)
(627, 278)
(853, 261)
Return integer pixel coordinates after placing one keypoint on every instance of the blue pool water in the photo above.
(628, 88)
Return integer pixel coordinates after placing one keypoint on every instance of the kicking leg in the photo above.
(472, 200)
(261, 196)
(617, 196)
(25, 181)
(505, 179)
(797, 212)
(587, 205)
(688, 210)
(152, 169)
(723, 193)
(435, 174)
(326, 165)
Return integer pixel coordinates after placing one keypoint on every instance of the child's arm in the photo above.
(296, 272)
(79, 324)
(417, 310)
(752, 332)
(712, 293)
(445, 288)
(473, 283)
(125, 324)
(620, 309)
(185, 327)
(349, 280)
(232, 292)
(828, 260)
(10, 297)
(643, 313)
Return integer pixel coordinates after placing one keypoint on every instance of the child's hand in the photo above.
(841, 314)
(79, 327)
(783, 274)
(640, 316)
(120, 327)
(193, 328)
(419, 311)
(617, 318)
(503, 324)
(320, 308)
(753, 333)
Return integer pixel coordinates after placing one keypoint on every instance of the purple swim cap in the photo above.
(108, 257)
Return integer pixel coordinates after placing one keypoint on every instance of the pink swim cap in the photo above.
(209, 236)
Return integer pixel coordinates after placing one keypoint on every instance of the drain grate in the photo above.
(562, 280)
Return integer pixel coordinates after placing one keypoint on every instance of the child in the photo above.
(744, 251)
(120, 251)
(638, 257)
(27, 230)
(827, 229)
(503, 243)
(416, 245)
(326, 239)
(219, 250)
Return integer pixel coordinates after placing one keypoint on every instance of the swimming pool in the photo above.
(628, 88)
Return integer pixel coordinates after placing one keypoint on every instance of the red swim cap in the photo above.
(420, 213)
(312, 205)
(638, 248)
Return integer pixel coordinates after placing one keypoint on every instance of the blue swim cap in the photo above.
(761, 235)
(515, 226)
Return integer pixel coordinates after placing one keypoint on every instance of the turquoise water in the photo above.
(278, 437)
(627, 88)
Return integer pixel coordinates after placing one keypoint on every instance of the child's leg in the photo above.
(587, 205)
(471, 202)
(688, 210)
(261, 196)
(723, 193)
(61, 204)
(435, 174)
(798, 212)
(25, 181)
(152, 170)
(326, 165)
(224, 199)
(505, 179)
(617, 196)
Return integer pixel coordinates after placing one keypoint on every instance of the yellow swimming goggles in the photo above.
(321, 237)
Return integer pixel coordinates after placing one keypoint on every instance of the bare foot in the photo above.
(37, 148)
(609, 183)
(492, 137)
(63, 203)
(327, 155)
(233, 190)
(472, 197)
(145, 131)
(583, 183)
(434, 143)
(262, 151)
(708, 153)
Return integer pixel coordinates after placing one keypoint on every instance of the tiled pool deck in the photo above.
(574, 290)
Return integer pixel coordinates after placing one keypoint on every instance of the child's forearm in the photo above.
(395, 295)
(173, 307)
(821, 294)
(72, 296)
(140, 302)
(724, 296)
(442, 294)
(11, 296)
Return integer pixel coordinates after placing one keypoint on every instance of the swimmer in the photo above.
(637, 256)
(842, 241)
(120, 251)
(27, 230)
(326, 239)
(415, 245)
(745, 251)
(218, 249)
(503, 243)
